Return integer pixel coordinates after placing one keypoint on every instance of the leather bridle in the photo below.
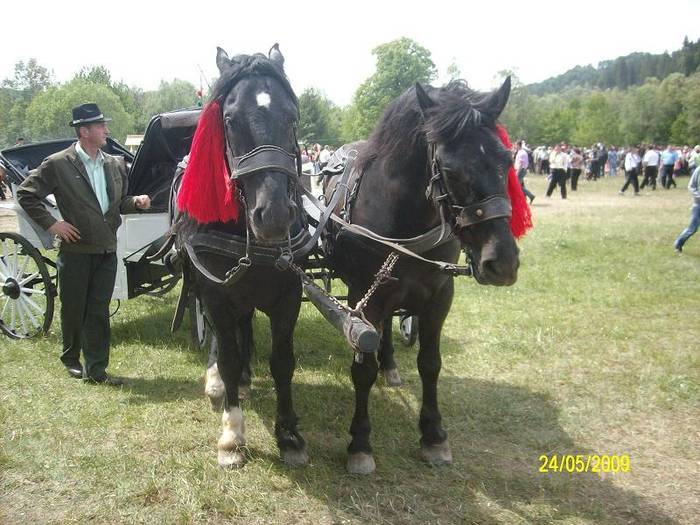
(458, 216)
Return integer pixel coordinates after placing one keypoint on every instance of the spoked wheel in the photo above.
(27, 290)
(408, 327)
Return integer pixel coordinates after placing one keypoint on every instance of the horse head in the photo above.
(469, 173)
(260, 114)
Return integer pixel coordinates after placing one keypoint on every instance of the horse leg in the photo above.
(282, 362)
(386, 354)
(232, 439)
(214, 387)
(244, 332)
(435, 448)
(364, 373)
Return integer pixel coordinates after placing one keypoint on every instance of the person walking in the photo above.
(90, 188)
(694, 188)
(651, 167)
(576, 162)
(632, 162)
(668, 160)
(558, 164)
(522, 161)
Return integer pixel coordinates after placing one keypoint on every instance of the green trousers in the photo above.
(85, 286)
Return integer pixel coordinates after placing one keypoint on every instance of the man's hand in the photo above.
(66, 231)
(142, 202)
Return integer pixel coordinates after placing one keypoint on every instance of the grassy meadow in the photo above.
(594, 351)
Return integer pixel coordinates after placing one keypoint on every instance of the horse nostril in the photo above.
(257, 215)
(293, 210)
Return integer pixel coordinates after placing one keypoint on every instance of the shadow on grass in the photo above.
(497, 433)
(163, 390)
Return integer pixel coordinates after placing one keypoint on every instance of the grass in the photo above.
(593, 351)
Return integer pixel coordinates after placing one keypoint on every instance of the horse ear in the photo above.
(276, 55)
(424, 101)
(494, 103)
(222, 60)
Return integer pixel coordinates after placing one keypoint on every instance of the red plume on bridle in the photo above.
(521, 218)
(207, 193)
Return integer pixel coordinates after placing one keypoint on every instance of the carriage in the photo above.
(28, 272)
(27, 269)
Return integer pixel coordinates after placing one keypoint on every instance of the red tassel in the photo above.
(206, 193)
(521, 218)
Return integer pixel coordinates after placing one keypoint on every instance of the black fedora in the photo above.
(87, 114)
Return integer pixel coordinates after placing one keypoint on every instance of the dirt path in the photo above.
(8, 221)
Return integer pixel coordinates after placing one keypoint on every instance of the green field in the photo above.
(594, 351)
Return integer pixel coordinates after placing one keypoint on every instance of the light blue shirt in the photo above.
(96, 173)
(669, 157)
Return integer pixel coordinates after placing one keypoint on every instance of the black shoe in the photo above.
(75, 371)
(106, 380)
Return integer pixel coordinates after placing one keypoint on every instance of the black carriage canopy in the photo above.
(167, 140)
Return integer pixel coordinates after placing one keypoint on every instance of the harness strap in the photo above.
(446, 267)
(494, 207)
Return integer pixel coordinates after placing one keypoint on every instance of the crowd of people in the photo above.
(564, 164)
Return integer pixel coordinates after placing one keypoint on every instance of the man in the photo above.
(324, 156)
(522, 161)
(694, 188)
(651, 167)
(632, 161)
(668, 159)
(612, 161)
(90, 190)
(558, 164)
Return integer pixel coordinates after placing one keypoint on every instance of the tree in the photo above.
(29, 77)
(453, 71)
(319, 119)
(49, 112)
(400, 64)
(169, 96)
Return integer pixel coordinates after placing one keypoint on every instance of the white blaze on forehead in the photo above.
(263, 99)
(481, 147)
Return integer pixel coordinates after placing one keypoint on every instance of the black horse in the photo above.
(259, 114)
(434, 159)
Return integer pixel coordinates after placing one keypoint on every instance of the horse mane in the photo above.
(403, 130)
(250, 65)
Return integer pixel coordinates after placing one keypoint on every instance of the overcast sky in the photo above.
(328, 44)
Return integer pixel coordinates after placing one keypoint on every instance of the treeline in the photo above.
(659, 111)
(600, 107)
(626, 71)
(34, 106)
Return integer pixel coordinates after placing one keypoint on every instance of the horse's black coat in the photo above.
(392, 202)
(272, 204)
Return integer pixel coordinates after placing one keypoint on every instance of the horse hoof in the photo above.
(437, 455)
(361, 463)
(243, 392)
(231, 458)
(392, 377)
(295, 458)
(217, 403)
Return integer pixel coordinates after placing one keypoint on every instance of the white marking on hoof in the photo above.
(295, 458)
(392, 377)
(232, 438)
(231, 458)
(361, 463)
(214, 387)
(437, 454)
(263, 99)
(243, 392)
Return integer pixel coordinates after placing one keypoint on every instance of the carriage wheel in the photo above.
(408, 327)
(27, 290)
(199, 328)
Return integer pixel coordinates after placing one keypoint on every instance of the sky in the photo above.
(327, 44)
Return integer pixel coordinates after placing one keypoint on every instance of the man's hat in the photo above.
(87, 114)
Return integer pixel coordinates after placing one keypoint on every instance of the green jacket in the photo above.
(63, 175)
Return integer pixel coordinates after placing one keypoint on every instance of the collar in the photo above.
(85, 157)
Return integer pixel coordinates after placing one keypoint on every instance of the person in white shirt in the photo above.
(651, 167)
(632, 162)
(558, 164)
(521, 163)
